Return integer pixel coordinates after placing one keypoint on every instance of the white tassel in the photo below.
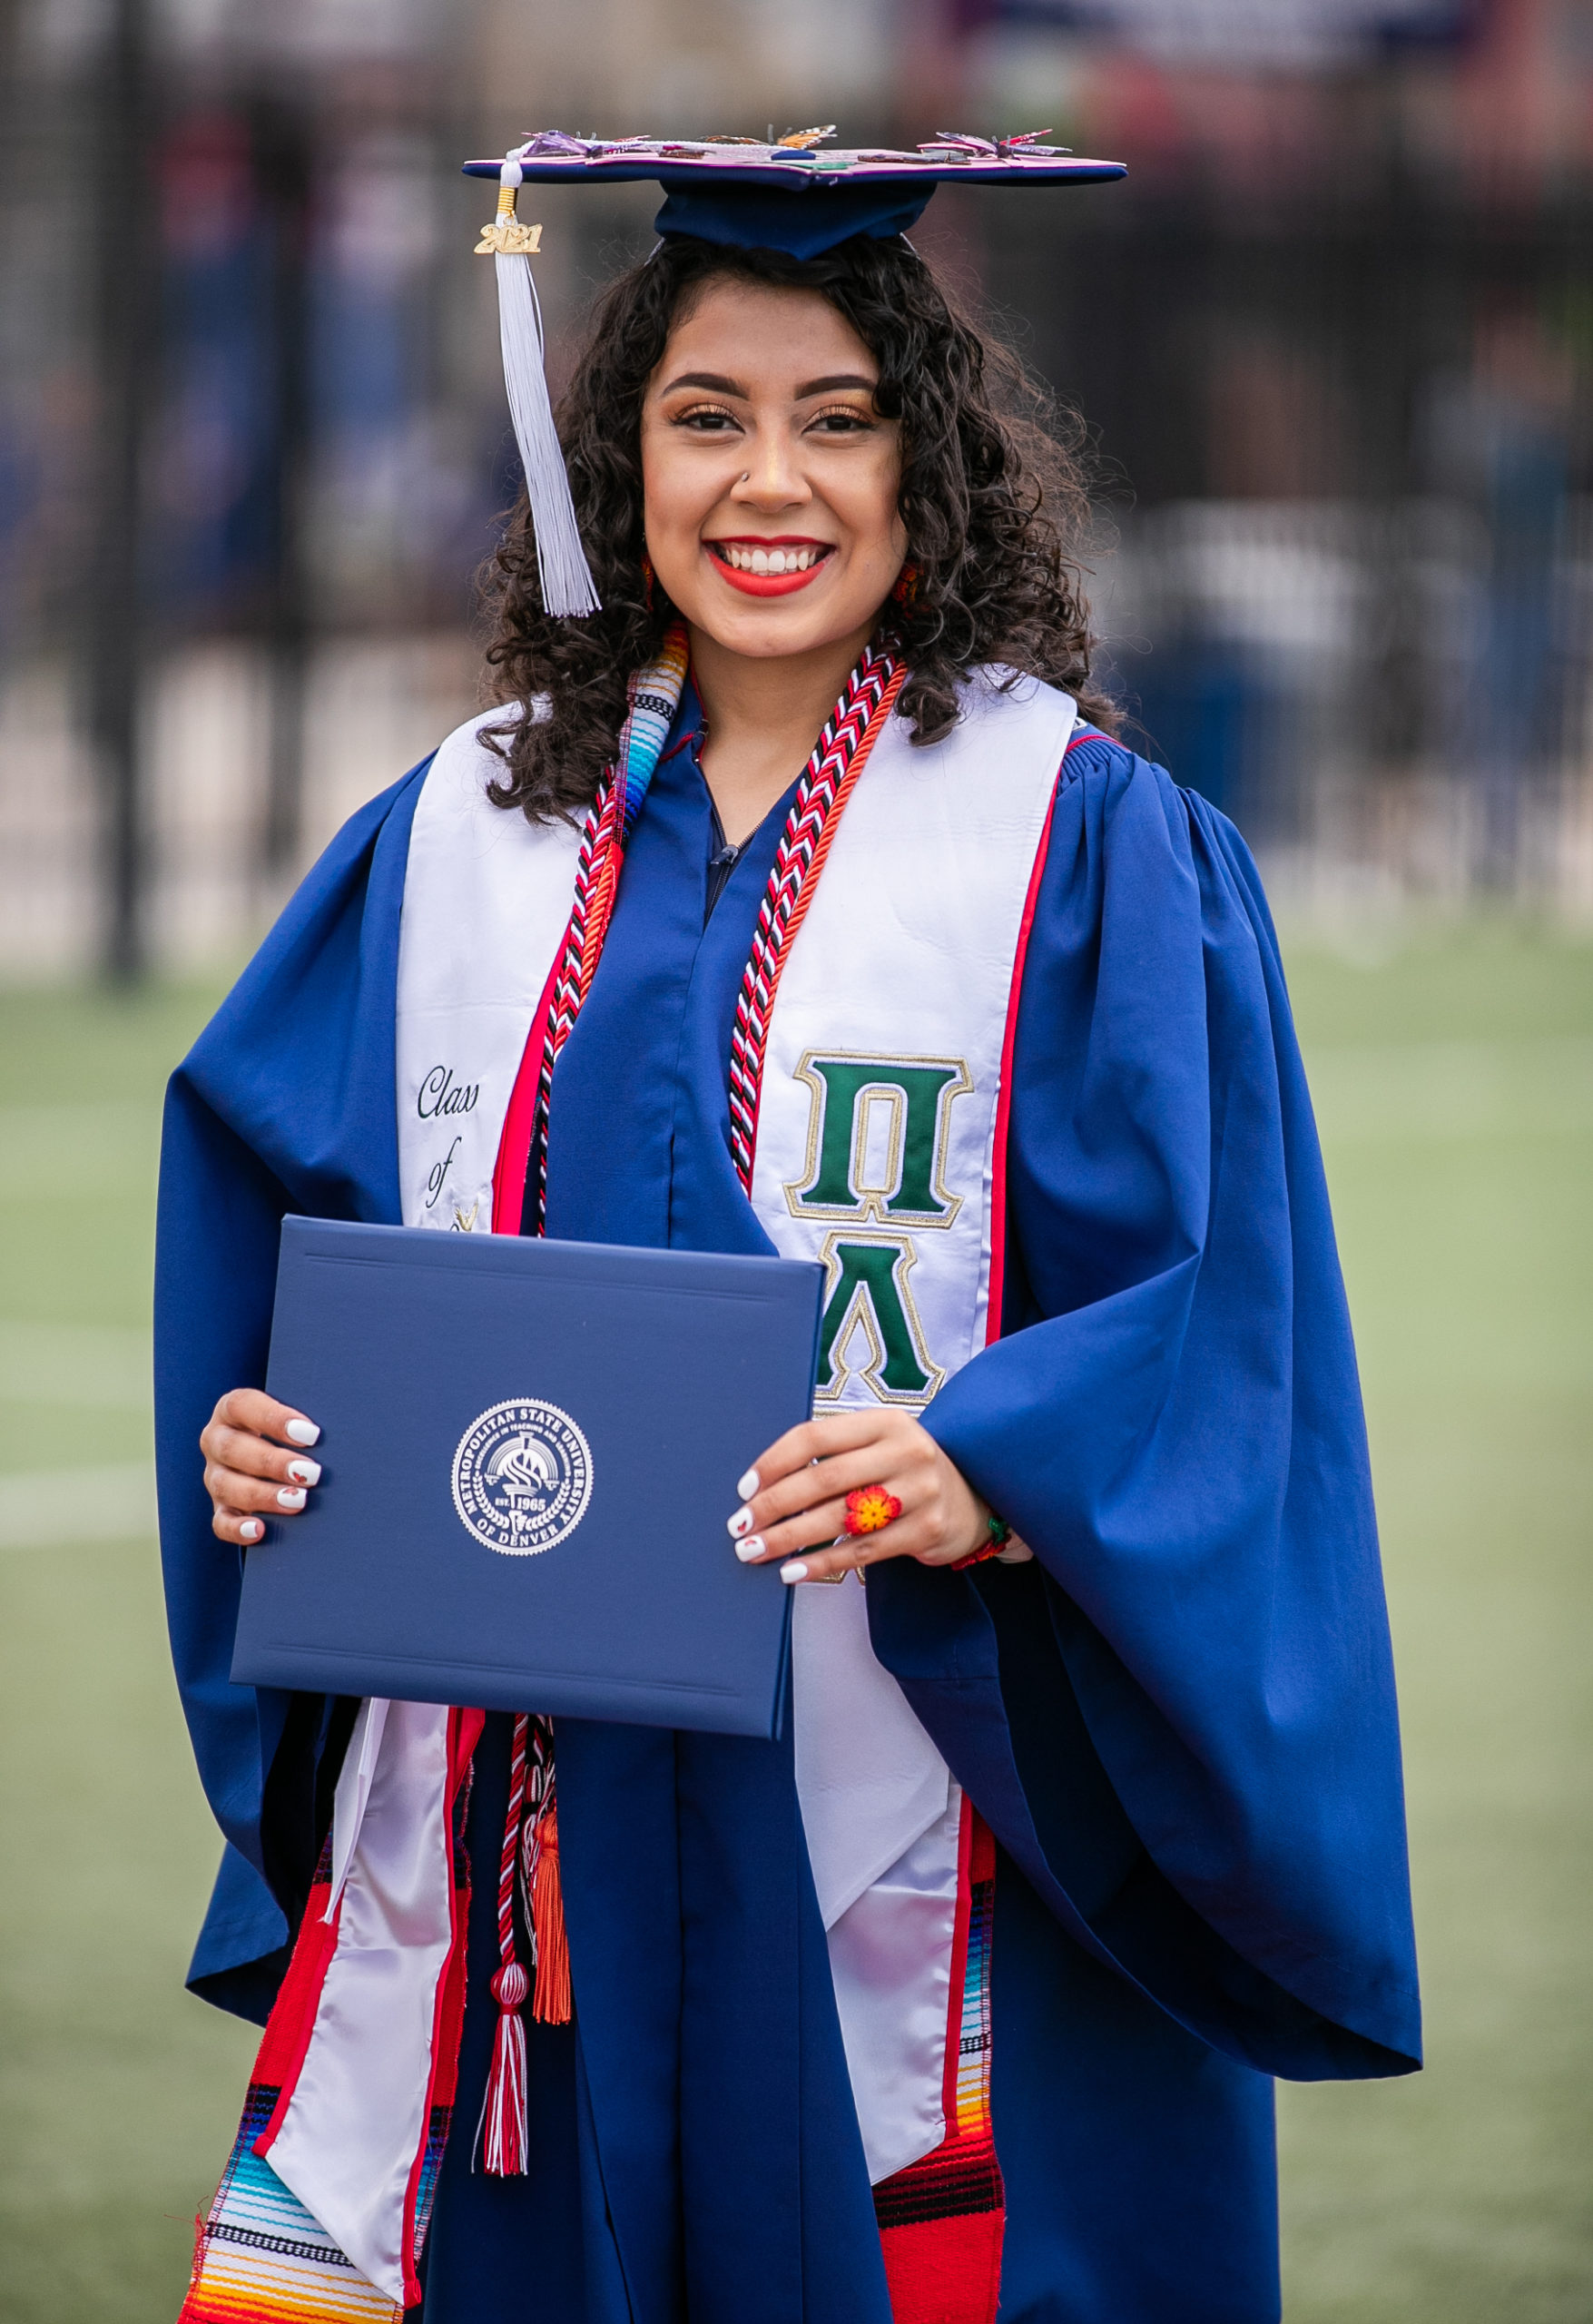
(561, 561)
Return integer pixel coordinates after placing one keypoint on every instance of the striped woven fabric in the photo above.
(655, 697)
(942, 2219)
(261, 2258)
(654, 701)
(838, 759)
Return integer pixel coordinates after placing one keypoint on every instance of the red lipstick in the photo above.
(769, 585)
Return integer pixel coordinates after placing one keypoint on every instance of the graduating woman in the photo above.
(795, 896)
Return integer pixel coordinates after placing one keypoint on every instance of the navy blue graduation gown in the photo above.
(1180, 1720)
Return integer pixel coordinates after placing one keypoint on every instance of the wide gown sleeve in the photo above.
(1181, 1721)
(284, 1103)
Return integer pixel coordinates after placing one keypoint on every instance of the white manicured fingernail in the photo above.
(753, 1547)
(250, 1530)
(291, 1497)
(302, 1431)
(742, 1522)
(304, 1472)
(794, 1570)
(748, 1485)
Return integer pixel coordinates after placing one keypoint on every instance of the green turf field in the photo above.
(1455, 1085)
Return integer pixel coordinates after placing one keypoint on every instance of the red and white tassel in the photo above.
(531, 1848)
(503, 2127)
(503, 2121)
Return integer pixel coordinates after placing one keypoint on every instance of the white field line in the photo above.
(48, 1509)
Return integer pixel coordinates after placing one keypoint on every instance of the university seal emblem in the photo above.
(522, 1477)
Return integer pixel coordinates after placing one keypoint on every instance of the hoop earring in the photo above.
(648, 577)
(905, 589)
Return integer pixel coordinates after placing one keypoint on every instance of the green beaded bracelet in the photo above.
(1000, 1532)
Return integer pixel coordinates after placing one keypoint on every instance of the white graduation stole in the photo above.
(877, 1153)
(487, 900)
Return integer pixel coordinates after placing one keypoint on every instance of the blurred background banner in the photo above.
(1333, 340)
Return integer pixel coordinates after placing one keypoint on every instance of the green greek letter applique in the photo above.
(877, 1136)
(870, 1329)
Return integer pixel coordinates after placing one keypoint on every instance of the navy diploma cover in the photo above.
(529, 1451)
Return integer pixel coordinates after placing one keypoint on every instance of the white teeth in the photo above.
(768, 561)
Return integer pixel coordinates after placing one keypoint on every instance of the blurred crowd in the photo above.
(1332, 341)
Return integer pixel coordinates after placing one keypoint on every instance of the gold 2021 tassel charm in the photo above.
(504, 236)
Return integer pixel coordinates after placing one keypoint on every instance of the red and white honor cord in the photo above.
(528, 1862)
(839, 758)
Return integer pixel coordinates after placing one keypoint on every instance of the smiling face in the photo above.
(770, 480)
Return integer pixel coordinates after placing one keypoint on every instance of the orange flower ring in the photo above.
(870, 1508)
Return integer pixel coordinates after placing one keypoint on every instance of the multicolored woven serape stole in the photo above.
(259, 2256)
(942, 2219)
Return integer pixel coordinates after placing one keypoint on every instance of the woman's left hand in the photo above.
(793, 1503)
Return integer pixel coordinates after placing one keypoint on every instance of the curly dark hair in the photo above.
(993, 503)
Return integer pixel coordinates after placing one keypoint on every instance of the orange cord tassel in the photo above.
(551, 2003)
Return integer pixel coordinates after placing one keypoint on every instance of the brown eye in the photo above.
(705, 419)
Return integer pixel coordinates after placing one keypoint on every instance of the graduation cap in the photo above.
(794, 194)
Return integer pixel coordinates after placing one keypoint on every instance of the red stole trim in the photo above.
(942, 2220)
(513, 1146)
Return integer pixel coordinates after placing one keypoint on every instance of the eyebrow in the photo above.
(837, 381)
(716, 383)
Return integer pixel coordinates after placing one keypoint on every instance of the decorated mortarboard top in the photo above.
(795, 195)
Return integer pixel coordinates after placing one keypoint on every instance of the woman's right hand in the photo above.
(246, 1469)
